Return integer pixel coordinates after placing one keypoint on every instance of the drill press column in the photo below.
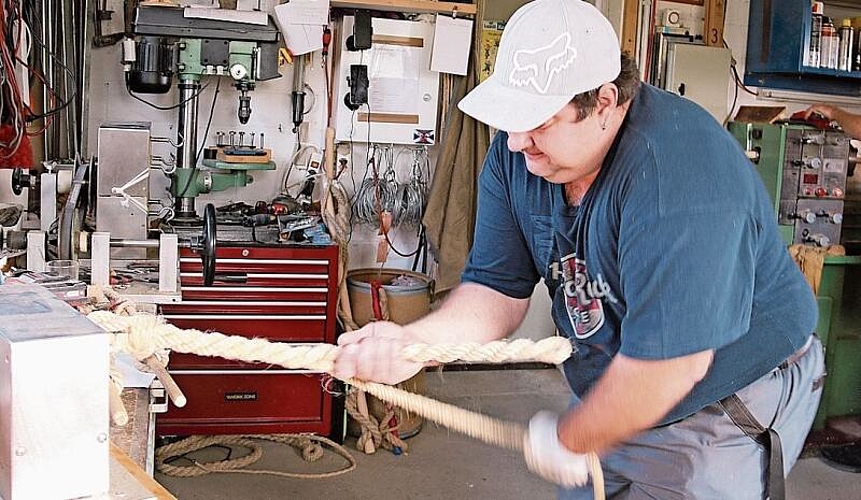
(189, 88)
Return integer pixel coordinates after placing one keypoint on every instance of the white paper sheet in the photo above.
(301, 23)
(314, 12)
(452, 42)
(235, 16)
(394, 80)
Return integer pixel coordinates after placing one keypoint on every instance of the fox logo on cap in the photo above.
(538, 67)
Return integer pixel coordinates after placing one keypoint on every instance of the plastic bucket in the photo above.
(406, 302)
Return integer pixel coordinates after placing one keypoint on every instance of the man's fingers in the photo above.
(346, 362)
(353, 337)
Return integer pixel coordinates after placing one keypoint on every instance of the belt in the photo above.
(791, 360)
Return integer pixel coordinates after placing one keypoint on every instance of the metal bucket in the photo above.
(405, 303)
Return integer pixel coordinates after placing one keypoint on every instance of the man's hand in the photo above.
(548, 458)
(824, 110)
(373, 354)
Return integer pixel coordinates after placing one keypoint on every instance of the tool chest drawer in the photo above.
(248, 402)
(283, 294)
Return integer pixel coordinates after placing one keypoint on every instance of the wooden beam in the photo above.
(713, 25)
(630, 16)
(140, 476)
(464, 9)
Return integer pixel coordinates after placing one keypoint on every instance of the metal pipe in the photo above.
(83, 71)
(123, 243)
(134, 243)
(68, 113)
(186, 152)
(44, 60)
(48, 70)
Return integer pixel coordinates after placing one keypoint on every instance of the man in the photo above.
(660, 249)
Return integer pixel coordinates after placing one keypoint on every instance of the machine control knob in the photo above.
(817, 138)
(821, 192)
(815, 163)
(206, 177)
(837, 193)
(20, 180)
(807, 216)
(819, 239)
(836, 218)
(238, 72)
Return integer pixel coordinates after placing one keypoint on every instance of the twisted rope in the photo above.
(308, 444)
(142, 332)
(385, 436)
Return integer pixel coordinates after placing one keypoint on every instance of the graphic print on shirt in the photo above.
(583, 297)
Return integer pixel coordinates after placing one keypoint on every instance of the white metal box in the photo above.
(699, 73)
(53, 399)
(402, 92)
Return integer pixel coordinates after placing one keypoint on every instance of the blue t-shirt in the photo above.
(673, 250)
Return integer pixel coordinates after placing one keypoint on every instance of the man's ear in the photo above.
(608, 98)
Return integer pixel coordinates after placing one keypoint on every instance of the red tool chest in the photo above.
(284, 294)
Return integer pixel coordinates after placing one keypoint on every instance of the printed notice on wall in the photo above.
(394, 79)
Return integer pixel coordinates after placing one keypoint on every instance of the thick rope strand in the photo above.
(142, 332)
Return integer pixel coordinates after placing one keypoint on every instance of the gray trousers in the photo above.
(706, 456)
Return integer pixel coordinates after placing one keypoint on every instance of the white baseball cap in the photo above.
(551, 50)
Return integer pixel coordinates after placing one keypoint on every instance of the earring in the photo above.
(604, 126)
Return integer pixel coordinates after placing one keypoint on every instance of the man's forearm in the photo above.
(632, 395)
(850, 122)
(470, 313)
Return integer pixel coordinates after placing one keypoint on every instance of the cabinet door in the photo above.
(248, 402)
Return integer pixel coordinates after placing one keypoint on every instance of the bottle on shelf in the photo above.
(847, 46)
(829, 45)
(856, 53)
(813, 54)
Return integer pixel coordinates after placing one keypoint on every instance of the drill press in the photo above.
(169, 43)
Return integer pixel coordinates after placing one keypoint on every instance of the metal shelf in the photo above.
(408, 6)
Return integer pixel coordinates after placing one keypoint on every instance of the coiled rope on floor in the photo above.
(143, 334)
(308, 444)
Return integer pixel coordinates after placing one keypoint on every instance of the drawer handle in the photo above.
(297, 262)
(241, 372)
(273, 317)
(249, 289)
(231, 278)
(249, 303)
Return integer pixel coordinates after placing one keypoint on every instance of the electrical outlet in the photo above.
(314, 163)
(343, 160)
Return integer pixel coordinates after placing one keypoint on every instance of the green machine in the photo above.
(804, 170)
(168, 43)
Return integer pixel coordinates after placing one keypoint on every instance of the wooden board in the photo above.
(264, 158)
(759, 114)
(630, 16)
(128, 466)
(406, 41)
(388, 118)
(407, 6)
(713, 25)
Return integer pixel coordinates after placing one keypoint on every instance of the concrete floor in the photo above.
(445, 466)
